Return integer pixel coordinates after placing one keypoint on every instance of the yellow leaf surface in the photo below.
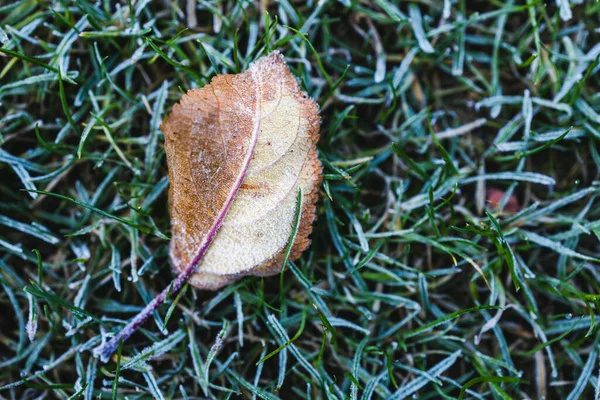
(238, 151)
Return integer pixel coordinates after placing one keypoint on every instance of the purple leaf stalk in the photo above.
(106, 350)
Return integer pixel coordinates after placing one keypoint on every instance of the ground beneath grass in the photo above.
(456, 252)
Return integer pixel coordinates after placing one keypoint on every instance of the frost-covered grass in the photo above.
(416, 283)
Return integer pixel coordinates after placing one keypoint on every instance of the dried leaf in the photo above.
(238, 151)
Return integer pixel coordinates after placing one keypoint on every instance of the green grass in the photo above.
(414, 285)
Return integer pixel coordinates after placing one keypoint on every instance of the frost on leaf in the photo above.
(238, 151)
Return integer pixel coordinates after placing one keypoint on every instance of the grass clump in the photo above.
(456, 251)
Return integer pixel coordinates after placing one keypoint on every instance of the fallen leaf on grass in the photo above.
(239, 151)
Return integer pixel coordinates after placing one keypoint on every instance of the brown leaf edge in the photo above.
(105, 350)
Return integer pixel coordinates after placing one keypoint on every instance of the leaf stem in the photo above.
(106, 350)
